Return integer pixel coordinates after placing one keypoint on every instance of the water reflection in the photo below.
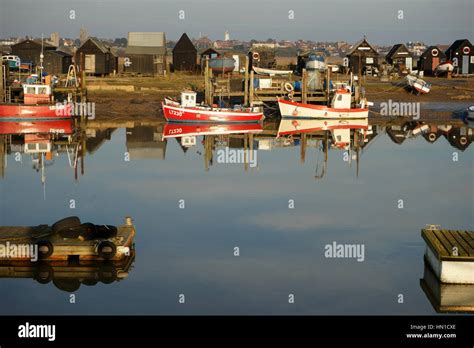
(44, 141)
(69, 275)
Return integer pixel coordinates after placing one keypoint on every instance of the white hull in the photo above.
(293, 126)
(444, 68)
(470, 113)
(271, 72)
(298, 110)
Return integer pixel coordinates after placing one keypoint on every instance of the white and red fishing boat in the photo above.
(444, 68)
(340, 108)
(176, 130)
(188, 111)
(418, 85)
(37, 104)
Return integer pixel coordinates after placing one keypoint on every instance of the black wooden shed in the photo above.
(184, 54)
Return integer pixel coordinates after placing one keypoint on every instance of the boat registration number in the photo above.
(176, 113)
(176, 131)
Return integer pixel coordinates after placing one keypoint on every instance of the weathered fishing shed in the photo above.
(96, 58)
(184, 54)
(461, 54)
(363, 58)
(400, 58)
(262, 57)
(29, 50)
(56, 62)
(430, 59)
(146, 53)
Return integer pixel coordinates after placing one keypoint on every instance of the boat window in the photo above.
(186, 97)
(42, 146)
(30, 90)
(42, 90)
(31, 146)
(339, 97)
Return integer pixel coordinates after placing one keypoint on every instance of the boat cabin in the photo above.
(37, 93)
(342, 138)
(188, 141)
(13, 61)
(35, 143)
(342, 99)
(188, 99)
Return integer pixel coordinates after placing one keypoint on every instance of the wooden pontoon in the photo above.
(450, 254)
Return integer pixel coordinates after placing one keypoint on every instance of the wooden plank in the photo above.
(444, 241)
(454, 240)
(469, 241)
(434, 243)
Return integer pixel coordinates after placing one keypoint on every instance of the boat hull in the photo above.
(300, 126)
(177, 130)
(180, 114)
(289, 109)
(36, 111)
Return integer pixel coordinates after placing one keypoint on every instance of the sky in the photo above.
(431, 21)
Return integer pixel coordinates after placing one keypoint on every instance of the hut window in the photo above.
(369, 60)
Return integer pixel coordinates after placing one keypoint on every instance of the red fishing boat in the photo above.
(176, 130)
(188, 111)
(37, 104)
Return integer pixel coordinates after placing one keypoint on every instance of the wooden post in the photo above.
(2, 83)
(246, 81)
(328, 88)
(303, 148)
(206, 82)
(304, 86)
(211, 87)
(251, 89)
(245, 152)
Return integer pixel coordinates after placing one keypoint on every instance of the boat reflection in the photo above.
(447, 297)
(69, 275)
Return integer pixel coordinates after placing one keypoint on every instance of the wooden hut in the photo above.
(363, 58)
(57, 62)
(400, 58)
(96, 58)
(29, 50)
(461, 53)
(430, 59)
(184, 54)
(146, 53)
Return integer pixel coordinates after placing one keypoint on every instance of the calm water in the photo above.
(190, 251)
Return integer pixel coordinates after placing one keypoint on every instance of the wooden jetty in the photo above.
(52, 246)
(447, 297)
(450, 254)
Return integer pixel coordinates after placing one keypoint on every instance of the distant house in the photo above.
(146, 53)
(363, 58)
(29, 50)
(96, 58)
(184, 54)
(430, 59)
(461, 54)
(400, 58)
(56, 62)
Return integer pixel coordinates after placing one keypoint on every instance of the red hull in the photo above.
(180, 114)
(36, 127)
(174, 130)
(22, 111)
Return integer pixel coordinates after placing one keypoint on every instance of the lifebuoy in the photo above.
(466, 50)
(45, 249)
(432, 137)
(463, 140)
(434, 52)
(288, 87)
(256, 56)
(106, 249)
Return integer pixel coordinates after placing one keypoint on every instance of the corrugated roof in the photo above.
(147, 39)
(145, 50)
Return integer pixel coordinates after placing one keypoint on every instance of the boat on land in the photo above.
(187, 110)
(417, 85)
(177, 130)
(271, 72)
(222, 65)
(444, 68)
(341, 108)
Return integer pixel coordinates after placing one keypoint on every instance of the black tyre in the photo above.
(106, 249)
(45, 249)
(90, 282)
(67, 223)
(44, 273)
(107, 273)
(88, 231)
(68, 285)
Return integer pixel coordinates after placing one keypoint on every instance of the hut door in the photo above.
(434, 63)
(409, 63)
(89, 65)
(465, 64)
